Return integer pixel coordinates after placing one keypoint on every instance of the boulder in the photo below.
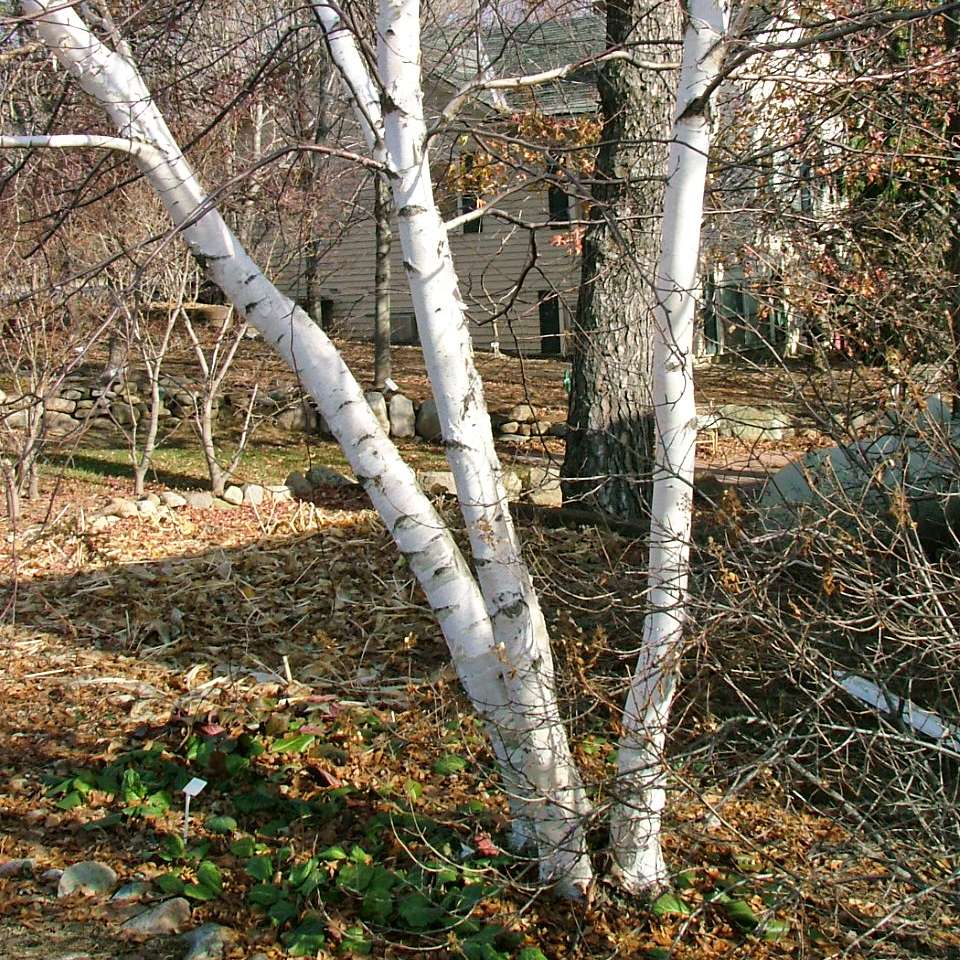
(326, 477)
(89, 878)
(119, 507)
(172, 499)
(378, 404)
(523, 413)
(543, 487)
(233, 495)
(60, 405)
(279, 491)
(428, 421)
(199, 499)
(437, 483)
(298, 485)
(17, 868)
(512, 484)
(868, 480)
(171, 916)
(59, 422)
(134, 891)
(147, 507)
(748, 423)
(301, 417)
(207, 942)
(403, 417)
(253, 493)
(509, 427)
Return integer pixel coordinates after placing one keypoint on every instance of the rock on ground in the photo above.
(89, 877)
(207, 942)
(17, 868)
(171, 916)
(326, 477)
(199, 499)
(233, 495)
(119, 507)
(172, 499)
(403, 417)
(428, 421)
(378, 405)
(437, 482)
(135, 890)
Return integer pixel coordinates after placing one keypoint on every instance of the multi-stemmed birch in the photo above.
(493, 624)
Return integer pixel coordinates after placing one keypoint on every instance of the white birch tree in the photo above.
(493, 623)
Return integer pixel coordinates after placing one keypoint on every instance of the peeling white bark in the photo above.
(636, 818)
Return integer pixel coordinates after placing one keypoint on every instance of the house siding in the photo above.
(489, 263)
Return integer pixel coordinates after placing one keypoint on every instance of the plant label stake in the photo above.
(190, 790)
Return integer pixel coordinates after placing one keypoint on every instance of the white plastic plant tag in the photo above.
(194, 787)
(390, 385)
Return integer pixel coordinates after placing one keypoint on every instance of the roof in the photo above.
(457, 55)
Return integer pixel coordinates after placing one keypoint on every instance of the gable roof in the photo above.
(456, 55)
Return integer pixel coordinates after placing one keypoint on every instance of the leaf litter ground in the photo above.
(351, 806)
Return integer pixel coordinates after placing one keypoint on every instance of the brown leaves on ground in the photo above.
(218, 624)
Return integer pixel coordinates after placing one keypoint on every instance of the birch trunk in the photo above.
(381, 282)
(636, 817)
(409, 516)
(536, 740)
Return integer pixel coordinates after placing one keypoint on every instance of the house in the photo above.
(520, 272)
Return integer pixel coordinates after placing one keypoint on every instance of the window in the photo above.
(559, 205)
(326, 314)
(550, 343)
(558, 202)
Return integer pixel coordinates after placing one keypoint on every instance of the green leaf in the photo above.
(669, 903)
(264, 894)
(418, 911)
(336, 852)
(296, 743)
(303, 871)
(307, 940)
(244, 847)
(740, 914)
(355, 941)
(197, 891)
(531, 953)
(209, 876)
(355, 877)
(260, 868)
(377, 905)
(685, 880)
(172, 848)
(170, 884)
(359, 855)
(748, 862)
(281, 912)
(774, 930)
(222, 824)
(412, 789)
(235, 763)
(449, 764)
(71, 800)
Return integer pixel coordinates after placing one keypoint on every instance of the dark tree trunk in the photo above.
(609, 444)
(381, 328)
